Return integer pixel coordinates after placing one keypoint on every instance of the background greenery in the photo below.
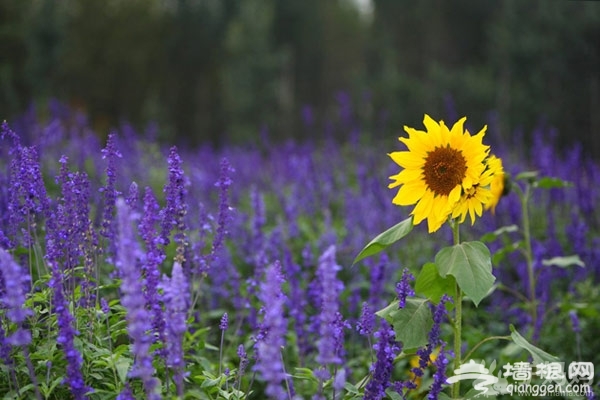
(222, 70)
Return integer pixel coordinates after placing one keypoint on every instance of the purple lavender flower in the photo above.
(104, 306)
(176, 297)
(224, 322)
(132, 298)
(241, 353)
(386, 348)
(331, 336)
(366, 323)
(439, 378)
(297, 303)
(271, 337)
(27, 197)
(439, 313)
(223, 219)
(175, 192)
(66, 337)
(110, 153)
(377, 273)
(13, 296)
(69, 235)
(403, 288)
(154, 257)
(133, 196)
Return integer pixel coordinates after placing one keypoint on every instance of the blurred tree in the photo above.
(112, 62)
(217, 70)
(15, 91)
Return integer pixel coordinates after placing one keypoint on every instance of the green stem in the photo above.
(487, 339)
(529, 253)
(457, 318)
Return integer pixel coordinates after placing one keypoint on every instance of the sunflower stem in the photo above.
(457, 317)
(529, 253)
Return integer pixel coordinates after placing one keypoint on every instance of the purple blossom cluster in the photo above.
(273, 328)
(331, 325)
(66, 336)
(132, 298)
(386, 349)
(176, 298)
(12, 298)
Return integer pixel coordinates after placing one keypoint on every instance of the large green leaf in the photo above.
(470, 264)
(539, 355)
(385, 239)
(411, 323)
(430, 284)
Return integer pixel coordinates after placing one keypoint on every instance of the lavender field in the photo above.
(132, 270)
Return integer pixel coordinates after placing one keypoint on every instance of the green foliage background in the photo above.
(219, 70)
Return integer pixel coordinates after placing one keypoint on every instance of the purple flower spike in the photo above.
(403, 288)
(176, 297)
(272, 333)
(223, 184)
(176, 208)
(330, 343)
(224, 322)
(132, 298)
(386, 348)
(13, 298)
(110, 153)
(66, 337)
(366, 322)
(154, 257)
(439, 378)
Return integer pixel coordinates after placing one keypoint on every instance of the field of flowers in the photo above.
(134, 271)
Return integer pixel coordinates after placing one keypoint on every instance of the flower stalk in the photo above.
(457, 316)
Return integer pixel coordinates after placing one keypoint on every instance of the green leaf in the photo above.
(539, 355)
(411, 323)
(383, 240)
(430, 284)
(527, 176)
(471, 266)
(552, 183)
(122, 365)
(491, 236)
(564, 262)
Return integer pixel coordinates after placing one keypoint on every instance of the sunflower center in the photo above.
(444, 168)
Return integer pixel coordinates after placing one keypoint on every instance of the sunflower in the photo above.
(497, 185)
(439, 165)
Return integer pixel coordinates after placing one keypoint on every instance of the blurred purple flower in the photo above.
(330, 342)
(575, 321)
(155, 255)
(403, 288)
(224, 322)
(224, 217)
(271, 338)
(27, 195)
(13, 298)
(176, 298)
(176, 208)
(376, 288)
(66, 336)
(133, 196)
(366, 323)
(110, 153)
(132, 298)
(308, 117)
